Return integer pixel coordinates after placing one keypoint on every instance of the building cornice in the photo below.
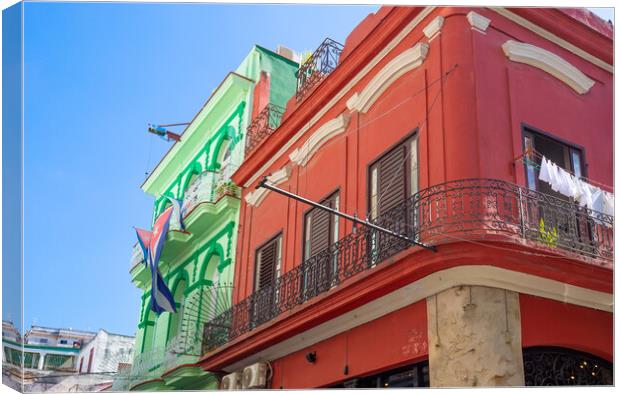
(548, 35)
(548, 62)
(321, 136)
(409, 60)
(255, 197)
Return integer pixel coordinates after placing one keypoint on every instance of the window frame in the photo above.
(279, 235)
(369, 166)
(529, 130)
(334, 194)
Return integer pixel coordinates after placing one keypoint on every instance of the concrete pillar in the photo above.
(474, 336)
(41, 361)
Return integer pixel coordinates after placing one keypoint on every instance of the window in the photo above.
(320, 232)
(566, 222)
(416, 375)
(563, 155)
(393, 178)
(268, 259)
(43, 340)
(63, 341)
(320, 227)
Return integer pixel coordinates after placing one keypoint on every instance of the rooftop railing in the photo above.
(318, 66)
(459, 211)
(263, 125)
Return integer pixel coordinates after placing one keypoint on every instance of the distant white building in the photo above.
(10, 332)
(63, 359)
(105, 352)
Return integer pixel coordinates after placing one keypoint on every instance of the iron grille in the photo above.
(318, 66)
(564, 367)
(263, 125)
(471, 209)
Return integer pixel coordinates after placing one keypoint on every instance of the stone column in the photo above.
(474, 338)
(41, 361)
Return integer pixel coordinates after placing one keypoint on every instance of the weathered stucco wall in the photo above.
(474, 337)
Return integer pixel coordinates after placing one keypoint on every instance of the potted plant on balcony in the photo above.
(226, 188)
(548, 237)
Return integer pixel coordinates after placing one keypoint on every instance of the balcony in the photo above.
(205, 198)
(471, 210)
(318, 66)
(265, 123)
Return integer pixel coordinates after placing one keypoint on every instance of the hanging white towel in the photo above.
(608, 203)
(597, 199)
(544, 174)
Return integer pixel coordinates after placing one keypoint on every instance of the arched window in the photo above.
(225, 153)
(554, 366)
(176, 319)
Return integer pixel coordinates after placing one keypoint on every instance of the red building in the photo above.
(432, 123)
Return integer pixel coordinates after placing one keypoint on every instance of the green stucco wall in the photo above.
(221, 124)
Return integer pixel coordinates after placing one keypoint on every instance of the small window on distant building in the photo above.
(63, 341)
(43, 340)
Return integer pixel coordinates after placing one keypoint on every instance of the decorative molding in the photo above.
(553, 38)
(548, 62)
(433, 28)
(478, 22)
(256, 197)
(321, 136)
(342, 92)
(408, 60)
(467, 275)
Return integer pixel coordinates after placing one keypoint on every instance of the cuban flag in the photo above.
(144, 240)
(161, 297)
(178, 211)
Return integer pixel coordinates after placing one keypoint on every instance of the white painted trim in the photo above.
(321, 136)
(474, 275)
(384, 52)
(433, 28)
(548, 62)
(553, 38)
(478, 22)
(255, 197)
(410, 59)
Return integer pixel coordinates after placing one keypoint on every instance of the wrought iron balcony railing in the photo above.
(466, 210)
(265, 123)
(318, 66)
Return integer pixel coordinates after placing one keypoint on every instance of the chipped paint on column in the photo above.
(476, 341)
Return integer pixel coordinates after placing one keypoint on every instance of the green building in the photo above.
(198, 264)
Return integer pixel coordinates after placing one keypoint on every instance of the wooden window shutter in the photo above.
(393, 171)
(267, 259)
(321, 228)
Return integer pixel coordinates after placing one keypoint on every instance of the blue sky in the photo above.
(95, 75)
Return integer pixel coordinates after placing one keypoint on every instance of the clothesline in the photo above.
(525, 160)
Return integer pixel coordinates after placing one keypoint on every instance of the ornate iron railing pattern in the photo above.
(263, 125)
(318, 66)
(465, 210)
(564, 367)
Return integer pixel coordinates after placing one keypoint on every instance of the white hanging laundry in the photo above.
(585, 198)
(597, 199)
(555, 176)
(545, 173)
(565, 183)
(608, 203)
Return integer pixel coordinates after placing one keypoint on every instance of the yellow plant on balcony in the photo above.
(548, 237)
